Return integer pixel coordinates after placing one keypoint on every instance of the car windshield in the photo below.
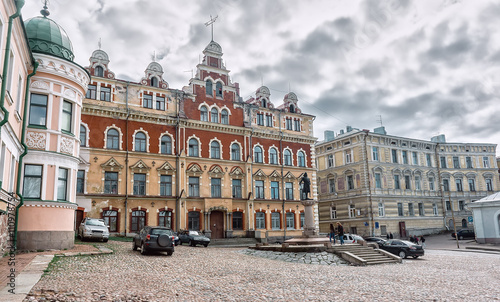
(194, 233)
(161, 232)
(95, 222)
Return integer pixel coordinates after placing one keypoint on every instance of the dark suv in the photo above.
(154, 239)
(463, 234)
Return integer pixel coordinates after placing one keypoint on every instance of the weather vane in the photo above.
(99, 43)
(45, 12)
(211, 22)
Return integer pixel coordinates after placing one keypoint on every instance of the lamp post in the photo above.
(452, 216)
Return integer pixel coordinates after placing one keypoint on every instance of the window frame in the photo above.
(236, 189)
(224, 117)
(235, 152)
(289, 190)
(62, 184)
(140, 143)
(36, 178)
(67, 117)
(166, 144)
(160, 103)
(139, 187)
(275, 190)
(166, 185)
(259, 157)
(216, 187)
(214, 115)
(113, 141)
(215, 150)
(301, 159)
(194, 186)
(147, 101)
(193, 148)
(259, 189)
(42, 118)
(204, 114)
(80, 182)
(287, 157)
(91, 92)
(105, 94)
(110, 183)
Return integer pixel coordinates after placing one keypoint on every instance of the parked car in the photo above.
(352, 238)
(402, 248)
(93, 228)
(176, 239)
(193, 238)
(377, 240)
(154, 239)
(464, 234)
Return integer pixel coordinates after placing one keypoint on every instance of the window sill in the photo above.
(67, 133)
(17, 116)
(37, 127)
(9, 98)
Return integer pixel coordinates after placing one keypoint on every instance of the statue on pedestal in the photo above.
(306, 187)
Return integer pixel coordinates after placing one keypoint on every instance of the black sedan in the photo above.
(464, 234)
(193, 238)
(157, 239)
(377, 240)
(402, 248)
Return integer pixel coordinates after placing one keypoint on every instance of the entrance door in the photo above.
(217, 224)
(402, 229)
(78, 219)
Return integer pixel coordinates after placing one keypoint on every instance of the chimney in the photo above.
(348, 129)
(380, 130)
(341, 131)
(329, 135)
(438, 139)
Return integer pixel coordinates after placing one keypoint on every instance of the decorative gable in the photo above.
(260, 174)
(166, 168)
(236, 172)
(111, 164)
(140, 165)
(290, 176)
(194, 168)
(274, 174)
(216, 169)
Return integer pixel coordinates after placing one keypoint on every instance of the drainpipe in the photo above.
(177, 167)
(126, 158)
(19, 5)
(440, 184)
(367, 175)
(20, 165)
(282, 178)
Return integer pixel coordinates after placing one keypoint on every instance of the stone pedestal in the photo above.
(309, 227)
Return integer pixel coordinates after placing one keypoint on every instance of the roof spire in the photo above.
(211, 22)
(45, 12)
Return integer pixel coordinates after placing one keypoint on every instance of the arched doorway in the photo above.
(217, 224)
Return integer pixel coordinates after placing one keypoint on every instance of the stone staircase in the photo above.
(364, 255)
(233, 242)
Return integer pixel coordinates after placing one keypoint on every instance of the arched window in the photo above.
(235, 152)
(287, 157)
(224, 117)
(464, 223)
(111, 219)
(203, 114)
(140, 142)
(218, 89)
(258, 154)
(138, 220)
(166, 145)
(292, 109)
(194, 221)
(154, 82)
(83, 136)
(214, 150)
(99, 71)
(264, 103)
(113, 139)
(273, 156)
(208, 87)
(193, 147)
(165, 219)
(301, 159)
(214, 115)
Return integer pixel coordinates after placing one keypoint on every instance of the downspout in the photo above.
(126, 158)
(367, 171)
(440, 184)
(20, 165)
(19, 5)
(177, 167)
(282, 178)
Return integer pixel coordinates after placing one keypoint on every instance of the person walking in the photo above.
(422, 239)
(415, 239)
(340, 230)
(391, 236)
(332, 233)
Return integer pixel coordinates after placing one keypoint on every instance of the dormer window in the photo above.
(209, 88)
(292, 109)
(218, 89)
(203, 114)
(99, 71)
(264, 103)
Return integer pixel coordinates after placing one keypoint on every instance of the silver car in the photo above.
(92, 228)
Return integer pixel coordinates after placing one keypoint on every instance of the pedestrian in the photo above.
(387, 235)
(332, 233)
(391, 236)
(422, 239)
(415, 238)
(340, 230)
(412, 240)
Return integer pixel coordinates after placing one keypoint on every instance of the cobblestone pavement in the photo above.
(323, 258)
(229, 274)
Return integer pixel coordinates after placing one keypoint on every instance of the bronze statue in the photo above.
(306, 187)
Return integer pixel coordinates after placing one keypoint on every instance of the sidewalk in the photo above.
(446, 242)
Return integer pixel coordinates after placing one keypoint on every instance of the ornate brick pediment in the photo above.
(140, 165)
(166, 167)
(275, 174)
(236, 172)
(112, 164)
(216, 169)
(260, 174)
(194, 168)
(290, 175)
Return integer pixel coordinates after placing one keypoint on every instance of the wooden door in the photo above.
(78, 219)
(217, 224)
(402, 229)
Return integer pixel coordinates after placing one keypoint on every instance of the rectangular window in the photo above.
(296, 125)
(2, 158)
(80, 181)
(236, 188)
(147, 101)
(302, 220)
(275, 221)
(166, 185)
(405, 157)
(260, 119)
(91, 92)
(378, 181)
(160, 103)
(486, 162)
(269, 120)
(397, 185)
(139, 184)
(461, 205)
(331, 185)
(105, 94)
(456, 162)
(110, 182)
(259, 189)
(289, 190)
(381, 210)
(411, 211)
(489, 184)
(458, 182)
(330, 161)
(10, 72)
(448, 205)
(237, 221)
(400, 209)
(443, 162)
(67, 113)
(407, 182)
(288, 124)
(421, 209)
(19, 94)
(260, 220)
(468, 162)
(13, 165)
(62, 184)
(415, 158)
(333, 212)
(350, 182)
(275, 190)
(194, 186)
(417, 183)
(472, 185)
(352, 211)
(38, 110)
(431, 183)
(429, 160)
(435, 209)
(290, 221)
(446, 185)
(394, 153)
(375, 153)
(216, 187)
(348, 157)
(32, 181)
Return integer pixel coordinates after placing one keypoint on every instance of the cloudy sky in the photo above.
(425, 67)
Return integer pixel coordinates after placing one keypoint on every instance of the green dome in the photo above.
(45, 36)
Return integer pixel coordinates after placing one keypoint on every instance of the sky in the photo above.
(419, 68)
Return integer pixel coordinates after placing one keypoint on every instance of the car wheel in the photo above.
(105, 240)
(143, 249)
(415, 257)
(191, 242)
(134, 247)
(402, 254)
(169, 253)
(206, 244)
(461, 237)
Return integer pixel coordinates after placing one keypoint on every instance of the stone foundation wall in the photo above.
(45, 240)
(4, 232)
